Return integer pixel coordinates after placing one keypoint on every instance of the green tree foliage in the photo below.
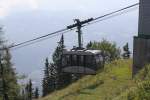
(58, 52)
(141, 90)
(144, 90)
(1, 37)
(36, 93)
(126, 54)
(10, 75)
(62, 79)
(52, 78)
(8, 79)
(111, 51)
(89, 45)
(23, 95)
(44, 92)
(45, 83)
(49, 78)
(29, 90)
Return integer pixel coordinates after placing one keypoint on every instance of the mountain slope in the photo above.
(107, 84)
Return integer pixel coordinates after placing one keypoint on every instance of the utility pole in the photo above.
(79, 25)
(5, 96)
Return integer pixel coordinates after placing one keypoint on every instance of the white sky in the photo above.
(7, 7)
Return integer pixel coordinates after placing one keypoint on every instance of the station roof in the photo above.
(82, 52)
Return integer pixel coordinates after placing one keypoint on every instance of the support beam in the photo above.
(141, 52)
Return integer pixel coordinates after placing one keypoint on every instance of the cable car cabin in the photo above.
(82, 61)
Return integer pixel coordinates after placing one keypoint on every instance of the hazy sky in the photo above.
(27, 19)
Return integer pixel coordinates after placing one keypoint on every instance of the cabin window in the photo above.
(74, 60)
(81, 60)
(89, 61)
(66, 60)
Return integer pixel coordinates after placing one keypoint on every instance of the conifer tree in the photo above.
(45, 83)
(62, 79)
(52, 79)
(30, 89)
(27, 91)
(8, 83)
(23, 95)
(44, 87)
(89, 45)
(49, 78)
(36, 93)
(126, 53)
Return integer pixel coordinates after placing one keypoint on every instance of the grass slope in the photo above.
(110, 83)
(141, 91)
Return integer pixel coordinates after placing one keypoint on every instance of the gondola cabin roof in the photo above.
(82, 52)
